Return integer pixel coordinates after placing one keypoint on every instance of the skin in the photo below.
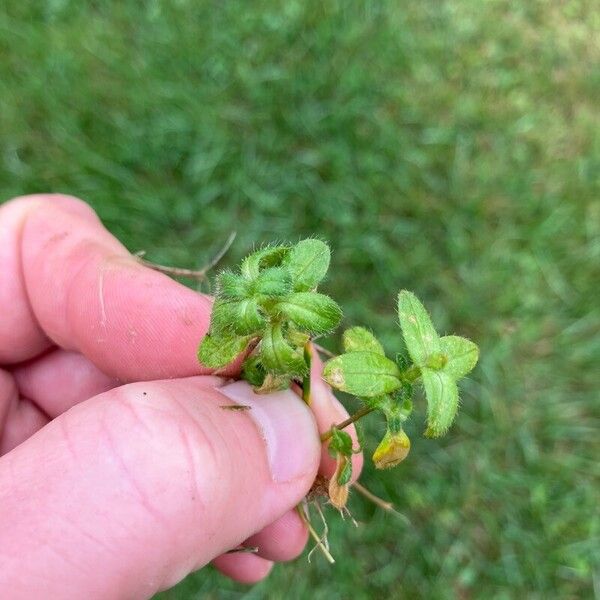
(120, 473)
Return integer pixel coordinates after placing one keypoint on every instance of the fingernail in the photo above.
(286, 425)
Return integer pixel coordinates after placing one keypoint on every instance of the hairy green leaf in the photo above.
(223, 315)
(218, 350)
(250, 319)
(419, 334)
(441, 392)
(311, 311)
(340, 443)
(272, 282)
(253, 371)
(363, 374)
(462, 355)
(278, 356)
(296, 337)
(231, 286)
(240, 316)
(344, 473)
(270, 256)
(308, 262)
(402, 361)
(377, 402)
(359, 339)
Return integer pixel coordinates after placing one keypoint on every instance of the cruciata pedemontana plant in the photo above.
(270, 309)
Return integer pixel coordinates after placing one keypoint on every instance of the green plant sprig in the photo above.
(388, 386)
(271, 309)
(271, 302)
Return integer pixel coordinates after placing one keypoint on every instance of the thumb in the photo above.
(128, 492)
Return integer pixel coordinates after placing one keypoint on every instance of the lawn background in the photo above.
(449, 147)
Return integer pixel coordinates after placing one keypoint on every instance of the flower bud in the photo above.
(392, 450)
(339, 484)
(436, 361)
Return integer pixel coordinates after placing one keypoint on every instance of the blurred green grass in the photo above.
(452, 148)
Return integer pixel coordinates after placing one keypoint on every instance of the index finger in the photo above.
(71, 283)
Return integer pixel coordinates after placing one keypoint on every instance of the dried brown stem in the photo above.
(243, 549)
(316, 537)
(379, 502)
(199, 275)
(361, 489)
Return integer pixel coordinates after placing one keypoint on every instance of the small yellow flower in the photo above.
(392, 450)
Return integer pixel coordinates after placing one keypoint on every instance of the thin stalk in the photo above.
(306, 390)
(361, 489)
(174, 271)
(306, 380)
(315, 536)
(221, 253)
(380, 502)
(359, 414)
(243, 549)
(199, 275)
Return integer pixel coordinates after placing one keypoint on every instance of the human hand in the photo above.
(120, 473)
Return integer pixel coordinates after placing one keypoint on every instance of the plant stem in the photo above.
(174, 271)
(380, 502)
(315, 535)
(199, 275)
(243, 549)
(372, 497)
(359, 414)
(306, 379)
